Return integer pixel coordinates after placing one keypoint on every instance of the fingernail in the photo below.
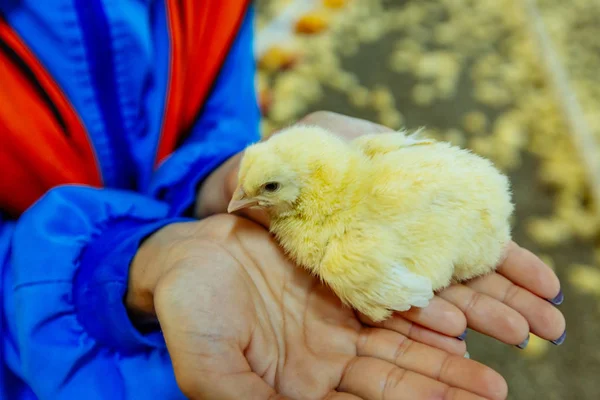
(467, 355)
(463, 335)
(558, 299)
(560, 340)
(524, 344)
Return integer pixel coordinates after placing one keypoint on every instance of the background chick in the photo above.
(384, 220)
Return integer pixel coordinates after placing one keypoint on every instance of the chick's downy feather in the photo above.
(384, 220)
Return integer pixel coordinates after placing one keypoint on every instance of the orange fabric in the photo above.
(41, 148)
(37, 150)
(201, 34)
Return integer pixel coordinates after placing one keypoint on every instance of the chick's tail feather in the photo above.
(418, 289)
(402, 289)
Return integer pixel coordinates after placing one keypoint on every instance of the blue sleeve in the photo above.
(65, 330)
(229, 122)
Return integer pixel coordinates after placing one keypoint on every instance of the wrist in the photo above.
(217, 189)
(104, 305)
(156, 256)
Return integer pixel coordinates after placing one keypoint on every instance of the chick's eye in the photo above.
(271, 186)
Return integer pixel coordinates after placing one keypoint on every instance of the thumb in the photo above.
(217, 370)
(343, 125)
(244, 385)
(206, 337)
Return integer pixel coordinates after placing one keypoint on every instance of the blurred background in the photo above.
(516, 81)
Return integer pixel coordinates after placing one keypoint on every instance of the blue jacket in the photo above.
(65, 333)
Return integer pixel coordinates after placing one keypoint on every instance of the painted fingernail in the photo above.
(463, 335)
(560, 340)
(467, 355)
(558, 299)
(524, 344)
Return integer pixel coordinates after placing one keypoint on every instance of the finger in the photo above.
(440, 316)
(526, 270)
(417, 333)
(487, 315)
(345, 126)
(256, 215)
(544, 320)
(455, 371)
(372, 378)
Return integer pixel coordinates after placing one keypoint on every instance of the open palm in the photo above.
(241, 321)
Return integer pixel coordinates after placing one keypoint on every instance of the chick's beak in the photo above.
(240, 201)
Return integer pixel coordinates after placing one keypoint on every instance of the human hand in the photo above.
(516, 299)
(241, 321)
(505, 305)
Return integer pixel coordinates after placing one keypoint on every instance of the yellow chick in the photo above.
(385, 219)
